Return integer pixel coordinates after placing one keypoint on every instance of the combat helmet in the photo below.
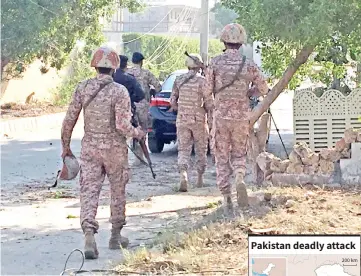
(193, 61)
(70, 168)
(233, 33)
(105, 57)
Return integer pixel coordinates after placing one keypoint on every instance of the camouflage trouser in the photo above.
(144, 121)
(187, 135)
(95, 164)
(143, 114)
(229, 142)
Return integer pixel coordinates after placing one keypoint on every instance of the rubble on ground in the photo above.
(304, 161)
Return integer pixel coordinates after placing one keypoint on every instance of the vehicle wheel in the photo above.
(155, 145)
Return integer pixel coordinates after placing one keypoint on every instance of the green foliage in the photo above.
(222, 17)
(49, 29)
(79, 70)
(287, 26)
(165, 54)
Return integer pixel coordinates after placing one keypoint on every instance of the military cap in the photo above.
(137, 57)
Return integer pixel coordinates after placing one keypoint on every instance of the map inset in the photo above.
(269, 266)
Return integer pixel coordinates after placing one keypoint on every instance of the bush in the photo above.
(79, 70)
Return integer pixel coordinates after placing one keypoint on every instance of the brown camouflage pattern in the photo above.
(107, 123)
(231, 112)
(192, 106)
(145, 79)
(233, 33)
(105, 57)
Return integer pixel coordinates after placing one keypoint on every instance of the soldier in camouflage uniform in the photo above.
(228, 77)
(187, 97)
(145, 79)
(107, 123)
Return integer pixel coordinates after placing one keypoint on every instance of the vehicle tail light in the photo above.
(160, 102)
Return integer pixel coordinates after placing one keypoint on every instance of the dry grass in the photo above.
(16, 110)
(221, 248)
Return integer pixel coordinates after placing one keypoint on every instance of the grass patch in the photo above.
(221, 247)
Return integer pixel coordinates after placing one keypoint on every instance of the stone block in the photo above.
(278, 165)
(295, 168)
(351, 171)
(341, 145)
(301, 179)
(264, 160)
(350, 135)
(356, 150)
(326, 167)
(330, 154)
(295, 158)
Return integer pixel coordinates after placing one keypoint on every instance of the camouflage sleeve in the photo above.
(261, 86)
(208, 88)
(123, 116)
(207, 98)
(71, 118)
(155, 82)
(175, 95)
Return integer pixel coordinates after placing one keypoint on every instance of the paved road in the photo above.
(36, 236)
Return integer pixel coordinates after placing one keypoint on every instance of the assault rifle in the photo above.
(141, 143)
(201, 64)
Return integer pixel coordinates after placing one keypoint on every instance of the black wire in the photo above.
(278, 132)
(67, 259)
(80, 270)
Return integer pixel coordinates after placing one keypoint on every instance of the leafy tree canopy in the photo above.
(331, 27)
(49, 29)
(296, 29)
(222, 16)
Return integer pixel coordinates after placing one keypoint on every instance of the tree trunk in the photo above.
(263, 131)
(253, 151)
(300, 59)
(257, 144)
(4, 61)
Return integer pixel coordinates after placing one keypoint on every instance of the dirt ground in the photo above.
(220, 247)
(15, 111)
(40, 227)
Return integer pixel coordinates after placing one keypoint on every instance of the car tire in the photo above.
(155, 145)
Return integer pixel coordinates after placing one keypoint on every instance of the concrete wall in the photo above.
(44, 85)
(16, 90)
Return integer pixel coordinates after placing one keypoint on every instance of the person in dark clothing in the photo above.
(120, 76)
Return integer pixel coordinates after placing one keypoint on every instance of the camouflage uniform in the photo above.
(104, 150)
(187, 97)
(145, 78)
(230, 129)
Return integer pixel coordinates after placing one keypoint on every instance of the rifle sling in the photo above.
(102, 86)
(236, 77)
(186, 80)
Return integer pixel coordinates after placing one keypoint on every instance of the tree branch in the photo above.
(300, 59)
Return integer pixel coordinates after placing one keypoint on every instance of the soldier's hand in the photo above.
(66, 152)
(141, 134)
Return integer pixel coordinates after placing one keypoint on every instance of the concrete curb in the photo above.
(31, 123)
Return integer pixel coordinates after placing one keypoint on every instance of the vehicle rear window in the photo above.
(168, 83)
